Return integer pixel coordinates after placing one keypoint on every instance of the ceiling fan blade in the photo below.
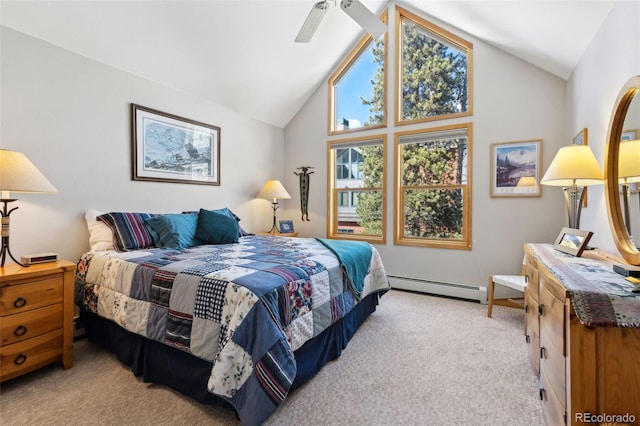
(311, 23)
(364, 17)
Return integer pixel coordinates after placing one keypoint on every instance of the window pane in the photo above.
(358, 93)
(433, 213)
(343, 199)
(365, 218)
(434, 75)
(434, 162)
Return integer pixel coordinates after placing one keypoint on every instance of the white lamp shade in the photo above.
(629, 162)
(273, 190)
(573, 164)
(18, 174)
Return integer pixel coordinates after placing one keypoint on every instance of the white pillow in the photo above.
(100, 235)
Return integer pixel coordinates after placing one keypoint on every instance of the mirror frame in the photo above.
(612, 188)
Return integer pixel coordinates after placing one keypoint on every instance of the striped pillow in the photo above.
(129, 230)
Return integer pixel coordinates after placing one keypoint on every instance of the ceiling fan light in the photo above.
(312, 22)
(364, 17)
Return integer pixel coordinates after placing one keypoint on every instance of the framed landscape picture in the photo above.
(515, 169)
(168, 148)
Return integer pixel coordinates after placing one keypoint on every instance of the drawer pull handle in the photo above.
(20, 359)
(540, 310)
(526, 308)
(541, 394)
(542, 352)
(527, 338)
(20, 302)
(21, 330)
(526, 279)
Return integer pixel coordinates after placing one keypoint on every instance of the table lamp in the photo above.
(573, 168)
(17, 174)
(273, 190)
(628, 173)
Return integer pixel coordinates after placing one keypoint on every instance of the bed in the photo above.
(240, 318)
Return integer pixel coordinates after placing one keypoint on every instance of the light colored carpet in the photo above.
(418, 360)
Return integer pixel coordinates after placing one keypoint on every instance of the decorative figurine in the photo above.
(304, 190)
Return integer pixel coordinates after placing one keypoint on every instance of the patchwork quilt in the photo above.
(244, 307)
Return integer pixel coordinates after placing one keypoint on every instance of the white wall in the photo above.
(611, 59)
(71, 116)
(513, 101)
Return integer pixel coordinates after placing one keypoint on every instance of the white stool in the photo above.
(516, 282)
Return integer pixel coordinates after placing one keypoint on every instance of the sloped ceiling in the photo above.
(241, 54)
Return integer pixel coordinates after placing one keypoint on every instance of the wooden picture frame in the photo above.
(286, 227)
(582, 138)
(515, 169)
(169, 148)
(572, 241)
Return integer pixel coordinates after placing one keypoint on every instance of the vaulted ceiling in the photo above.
(241, 53)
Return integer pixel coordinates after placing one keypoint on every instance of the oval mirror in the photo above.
(622, 172)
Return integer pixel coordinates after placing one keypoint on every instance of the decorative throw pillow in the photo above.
(175, 230)
(129, 230)
(100, 235)
(216, 228)
(225, 210)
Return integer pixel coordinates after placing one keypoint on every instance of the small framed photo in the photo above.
(515, 169)
(572, 241)
(286, 226)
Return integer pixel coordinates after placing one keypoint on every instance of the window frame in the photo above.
(452, 39)
(343, 69)
(333, 192)
(399, 239)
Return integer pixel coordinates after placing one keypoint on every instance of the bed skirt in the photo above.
(158, 363)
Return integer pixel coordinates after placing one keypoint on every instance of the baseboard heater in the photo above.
(461, 291)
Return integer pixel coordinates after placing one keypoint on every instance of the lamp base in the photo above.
(274, 228)
(5, 233)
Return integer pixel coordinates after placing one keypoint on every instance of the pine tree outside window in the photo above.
(433, 191)
(433, 71)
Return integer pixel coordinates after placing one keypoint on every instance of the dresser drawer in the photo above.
(552, 319)
(25, 325)
(553, 410)
(31, 295)
(532, 278)
(553, 363)
(532, 331)
(28, 355)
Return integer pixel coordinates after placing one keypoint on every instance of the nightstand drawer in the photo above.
(31, 294)
(29, 355)
(25, 325)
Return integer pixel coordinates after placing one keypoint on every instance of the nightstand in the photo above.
(36, 317)
(278, 234)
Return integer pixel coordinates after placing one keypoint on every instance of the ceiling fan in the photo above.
(356, 10)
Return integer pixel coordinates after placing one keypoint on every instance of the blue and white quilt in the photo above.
(245, 307)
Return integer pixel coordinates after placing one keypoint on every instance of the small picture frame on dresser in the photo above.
(286, 226)
(572, 241)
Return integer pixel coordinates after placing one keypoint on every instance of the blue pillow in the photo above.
(216, 228)
(175, 230)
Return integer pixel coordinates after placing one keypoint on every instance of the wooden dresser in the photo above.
(36, 317)
(583, 330)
